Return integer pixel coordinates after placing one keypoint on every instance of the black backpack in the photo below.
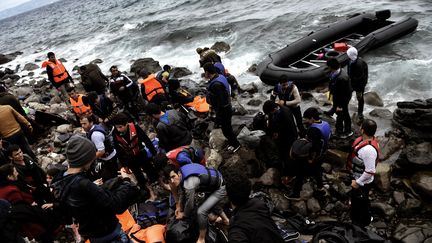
(259, 122)
(301, 149)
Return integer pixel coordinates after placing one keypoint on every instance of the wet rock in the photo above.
(299, 207)
(409, 207)
(33, 98)
(251, 88)
(307, 190)
(337, 158)
(55, 100)
(416, 157)
(62, 59)
(270, 177)
(399, 197)
(422, 183)
(253, 68)
(249, 138)
(45, 162)
(381, 113)
(313, 205)
(373, 99)
(24, 91)
(329, 207)
(408, 233)
(214, 159)
(96, 61)
(326, 167)
(280, 202)
(340, 207)
(30, 67)
(179, 72)
(217, 140)
(390, 145)
(220, 46)
(383, 176)
(148, 63)
(238, 109)
(58, 108)
(5, 58)
(383, 209)
(65, 128)
(414, 119)
(254, 102)
(38, 106)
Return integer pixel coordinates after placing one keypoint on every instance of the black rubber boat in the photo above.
(304, 60)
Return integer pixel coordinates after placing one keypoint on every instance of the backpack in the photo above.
(301, 149)
(151, 213)
(259, 122)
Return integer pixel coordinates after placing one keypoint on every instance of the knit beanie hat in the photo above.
(80, 151)
(352, 53)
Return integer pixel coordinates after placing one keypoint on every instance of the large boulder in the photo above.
(383, 177)
(313, 205)
(214, 159)
(381, 113)
(413, 232)
(373, 99)
(415, 157)
(30, 67)
(220, 46)
(422, 183)
(149, 64)
(5, 58)
(217, 140)
(179, 72)
(24, 91)
(414, 119)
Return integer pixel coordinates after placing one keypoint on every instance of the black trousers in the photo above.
(296, 111)
(343, 120)
(223, 118)
(20, 140)
(360, 206)
(304, 169)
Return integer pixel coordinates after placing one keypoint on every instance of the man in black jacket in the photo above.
(251, 220)
(358, 73)
(93, 207)
(340, 89)
(281, 127)
(92, 78)
(172, 128)
(219, 97)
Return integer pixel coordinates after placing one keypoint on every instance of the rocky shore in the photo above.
(402, 195)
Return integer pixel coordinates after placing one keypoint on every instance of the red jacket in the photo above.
(15, 195)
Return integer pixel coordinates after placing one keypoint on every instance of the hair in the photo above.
(333, 63)
(2, 89)
(167, 170)
(166, 68)
(283, 79)
(238, 186)
(143, 73)
(311, 112)
(53, 172)
(210, 68)
(82, 68)
(120, 119)
(160, 161)
(269, 106)
(369, 127)
(92, 96)
(5, 171)
(173, 84)
(12, 148)
(90, 118)
(153, 109)
(50, 54)
(113, 67)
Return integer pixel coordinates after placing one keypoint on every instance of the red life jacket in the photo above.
(133, 146)
(357, 145)
(172, 155)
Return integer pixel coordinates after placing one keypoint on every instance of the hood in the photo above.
(352, 53)
(62, 183)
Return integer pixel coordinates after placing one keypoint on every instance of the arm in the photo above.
(127, 81)
(144, 138)
(297, 97)
(274, 94)
(221, 97)
(98, 139)
(50, 74)
(314, 135)
(21, 119)
(368, 154)
(190, 185)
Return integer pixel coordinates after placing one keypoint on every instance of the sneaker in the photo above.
(346, 135)
(292, 196)
(233, 149)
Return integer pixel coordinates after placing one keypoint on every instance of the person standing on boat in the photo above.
(288, 94)
(358, 73)
(340, 89)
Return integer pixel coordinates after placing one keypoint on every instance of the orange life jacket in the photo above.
(152, 86)
(357, 145)
(134, 145)
(78, 106)
(59, 71)
(199, 104)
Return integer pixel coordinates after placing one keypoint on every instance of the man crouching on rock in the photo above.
(188, 180)
(94, 208)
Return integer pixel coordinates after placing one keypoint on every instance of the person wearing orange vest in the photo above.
(57, 73)
(151, 89)
(78, 106)
(362, 162)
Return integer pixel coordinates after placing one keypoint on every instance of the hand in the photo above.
(281, 102)
(179, 214)
(126, 170)
(339, 109)
(106, 120)
(354, 184)
(98, 182)
(101, 120)
(47, 205)
(30, 129)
